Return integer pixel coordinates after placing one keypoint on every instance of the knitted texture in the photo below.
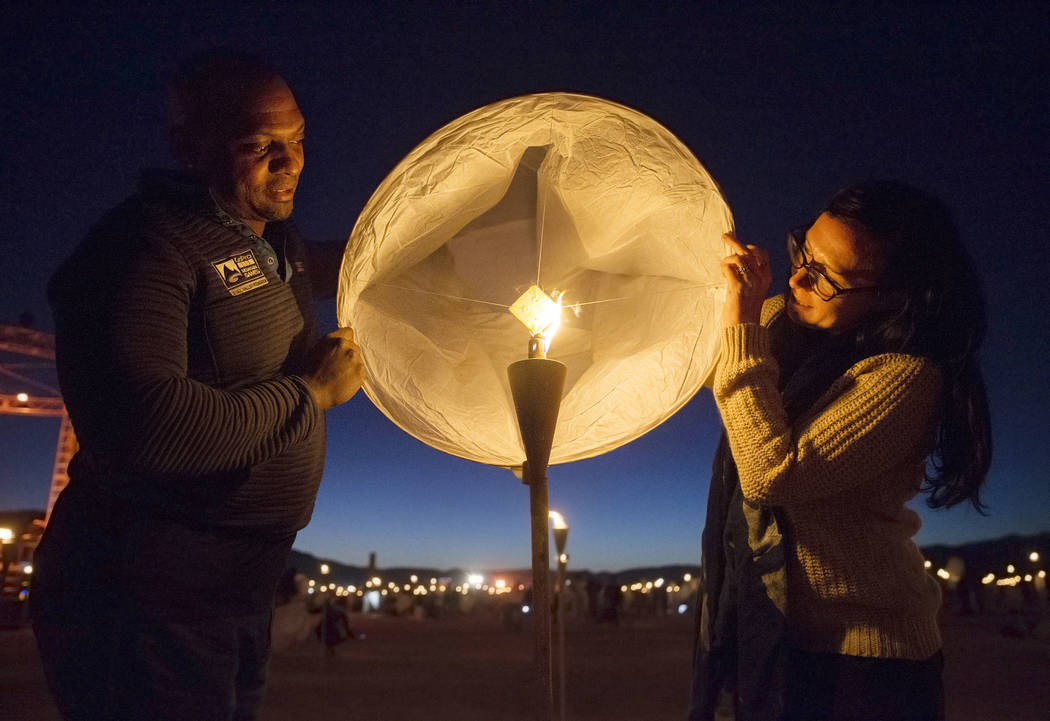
(841, 474)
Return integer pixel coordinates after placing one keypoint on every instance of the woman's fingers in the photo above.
(753, 256)
(760, 255)
(747, 272)
(744, 266)
(735, 245)
(734, 270)
(748, 277)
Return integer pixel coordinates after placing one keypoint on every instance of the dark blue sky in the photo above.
(782, 105)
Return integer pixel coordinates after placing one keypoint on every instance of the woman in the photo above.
(841, 400)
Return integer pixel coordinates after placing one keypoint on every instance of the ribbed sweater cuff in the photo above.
(744, 343)
(304, 387)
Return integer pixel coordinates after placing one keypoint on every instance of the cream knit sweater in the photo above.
(841, 474)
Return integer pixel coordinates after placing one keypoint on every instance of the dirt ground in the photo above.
(468, 669)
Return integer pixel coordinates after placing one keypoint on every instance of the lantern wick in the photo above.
(537, 346)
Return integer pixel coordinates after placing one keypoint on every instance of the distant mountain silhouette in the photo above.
(980, 557)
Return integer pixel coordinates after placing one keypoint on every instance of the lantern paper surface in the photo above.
(566, 192)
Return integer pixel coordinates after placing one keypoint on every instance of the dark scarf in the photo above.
(741, 640)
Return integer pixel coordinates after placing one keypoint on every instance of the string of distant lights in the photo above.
(475, 582)
(1011, 579)
(649, 586)
(472, 583)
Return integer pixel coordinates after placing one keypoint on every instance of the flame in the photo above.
(539, 312)
(557, 520)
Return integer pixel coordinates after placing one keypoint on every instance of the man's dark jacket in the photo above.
(179, 337)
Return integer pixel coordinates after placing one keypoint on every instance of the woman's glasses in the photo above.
(822, 285)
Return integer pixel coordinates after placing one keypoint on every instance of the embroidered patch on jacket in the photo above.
(240, 272)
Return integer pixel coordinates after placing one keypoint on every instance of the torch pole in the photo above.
(536, 384)
(561, 640)
(559, 593)
(541, 594)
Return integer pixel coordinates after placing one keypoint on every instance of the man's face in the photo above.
(257, 155)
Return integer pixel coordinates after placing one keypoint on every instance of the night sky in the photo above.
(781, 105)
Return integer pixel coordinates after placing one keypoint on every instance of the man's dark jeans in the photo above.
(124, 666)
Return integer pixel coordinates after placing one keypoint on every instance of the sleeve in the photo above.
(121, 318)
(879, 417)
(770, 307)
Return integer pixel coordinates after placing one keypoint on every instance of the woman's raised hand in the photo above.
(748, 277)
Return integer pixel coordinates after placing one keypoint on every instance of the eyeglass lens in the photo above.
(820, 284)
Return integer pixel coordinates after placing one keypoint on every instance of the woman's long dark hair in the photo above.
(930, 304)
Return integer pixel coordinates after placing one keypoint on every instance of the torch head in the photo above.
(541, 314)
(536, 385)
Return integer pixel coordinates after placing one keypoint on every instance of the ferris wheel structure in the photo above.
(28, 387)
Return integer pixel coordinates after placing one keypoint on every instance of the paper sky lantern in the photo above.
(526, 202)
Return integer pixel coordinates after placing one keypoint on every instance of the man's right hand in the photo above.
(335, 370)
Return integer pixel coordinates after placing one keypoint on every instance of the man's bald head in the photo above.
(206, 96)
(236, 125)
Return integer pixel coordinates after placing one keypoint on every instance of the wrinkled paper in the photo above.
(569, 192)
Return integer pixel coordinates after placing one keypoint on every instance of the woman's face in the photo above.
(846, 255)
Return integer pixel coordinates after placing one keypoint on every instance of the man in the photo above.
(188, 363)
